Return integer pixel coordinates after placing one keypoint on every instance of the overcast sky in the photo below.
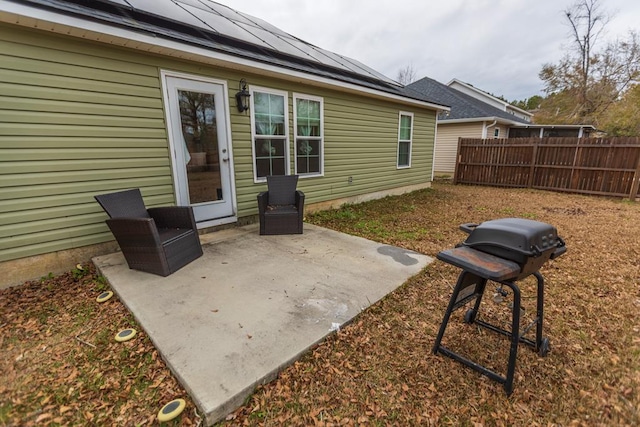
(498, 46)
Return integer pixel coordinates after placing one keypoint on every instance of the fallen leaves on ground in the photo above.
(61, 366)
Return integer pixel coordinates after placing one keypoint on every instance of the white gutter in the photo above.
(435, 144)
(32, 17)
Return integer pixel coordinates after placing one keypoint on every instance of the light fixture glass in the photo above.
(242, 97)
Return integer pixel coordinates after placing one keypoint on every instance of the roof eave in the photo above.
(480, 119)
(537, 126)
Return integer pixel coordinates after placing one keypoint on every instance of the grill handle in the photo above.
(468, 227)
(561, 249)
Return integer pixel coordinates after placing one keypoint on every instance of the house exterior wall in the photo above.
(518, 113)
(79, 118)
(447, 144)
(504, 130)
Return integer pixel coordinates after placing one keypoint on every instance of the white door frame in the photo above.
(224, 116)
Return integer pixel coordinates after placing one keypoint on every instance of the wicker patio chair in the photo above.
(156, 240)
(281, 208)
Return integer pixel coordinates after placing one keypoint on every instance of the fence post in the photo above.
(455, 171)
(534, 162)
(575, 176)
(636, 181)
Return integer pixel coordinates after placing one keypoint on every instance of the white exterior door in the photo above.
(197, 111)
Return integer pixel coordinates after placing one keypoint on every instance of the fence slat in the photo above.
(604, 166)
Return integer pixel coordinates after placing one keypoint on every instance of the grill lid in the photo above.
(510, 237)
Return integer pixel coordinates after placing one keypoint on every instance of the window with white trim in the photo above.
(496, 133)
(308, 117)
(405, 135)
(270, 131)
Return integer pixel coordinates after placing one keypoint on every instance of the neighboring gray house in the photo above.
(105, 95)
(477, 114)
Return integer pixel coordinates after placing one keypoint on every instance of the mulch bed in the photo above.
(60, 364)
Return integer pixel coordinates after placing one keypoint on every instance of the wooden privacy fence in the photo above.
(601, 166)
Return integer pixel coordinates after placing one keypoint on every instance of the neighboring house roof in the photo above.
(464, 108)
(216, 28)
(501, 104)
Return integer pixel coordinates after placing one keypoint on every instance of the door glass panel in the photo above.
(198, 119)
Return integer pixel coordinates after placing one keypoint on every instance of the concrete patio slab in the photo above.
(251, 305)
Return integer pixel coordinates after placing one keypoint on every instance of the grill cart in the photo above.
(502, 251)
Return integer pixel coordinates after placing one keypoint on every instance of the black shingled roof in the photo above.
(462, 105)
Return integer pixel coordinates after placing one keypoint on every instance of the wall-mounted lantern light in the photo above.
(242, 97)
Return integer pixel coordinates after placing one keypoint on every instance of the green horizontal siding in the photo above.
(74, 122)
(79, 118)
(361, 137)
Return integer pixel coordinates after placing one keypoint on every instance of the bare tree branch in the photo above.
(407, 75)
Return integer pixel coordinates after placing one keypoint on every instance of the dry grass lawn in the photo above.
(60, 364)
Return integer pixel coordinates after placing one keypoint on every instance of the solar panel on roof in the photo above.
(263, 24)
(224, 26)
(369, 70)
(223, 10)
(277, 43)
(169, 10)
(121, 2)
(214, 17)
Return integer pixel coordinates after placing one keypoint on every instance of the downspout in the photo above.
(485, 128)
(435, 143)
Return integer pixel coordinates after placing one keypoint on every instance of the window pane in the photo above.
(314, 110)
(403, 153)
(263, 167)
(268, 110)
(405, 128)
(260, 102)
(302, 108)
(308, 147)
(308, 156)
(314, 126)
(270, 157)
(308, 117)
(314, 165)
(277, 167)
(405, 122)
(276, 104)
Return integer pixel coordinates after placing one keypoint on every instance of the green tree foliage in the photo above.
(529, 104)
(623, 117)
(587, 82)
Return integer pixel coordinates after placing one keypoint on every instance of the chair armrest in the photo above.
(300, 200)
(263, 202)
(134, 231)
(173, 217)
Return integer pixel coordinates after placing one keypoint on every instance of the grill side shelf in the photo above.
(480, 263)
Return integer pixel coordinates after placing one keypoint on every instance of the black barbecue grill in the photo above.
(502, 251)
